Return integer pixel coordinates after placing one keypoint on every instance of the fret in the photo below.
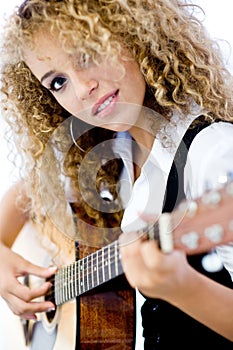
(103, 272)
(96, 269)
(65, 283)
(63, 292)
(87, 273)
(79, 276)
(83, 276)
(75, 279)
(82, 286)
(56, 289)
(72, 280)
(118, 261)
(116, 258)
(99, 266)
(109, 262)
(60, 286)
(93, 271)
(68, 283)
(106, 263)
(112, 261)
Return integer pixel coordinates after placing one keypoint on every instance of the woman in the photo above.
(140, 80)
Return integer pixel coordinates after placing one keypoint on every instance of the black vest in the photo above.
(165, 326)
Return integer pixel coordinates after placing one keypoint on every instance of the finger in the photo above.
(149, 217)
(126, 239)
(29, 317)
(27, 294)
(151, 254)
(28, 310)
(27, 268)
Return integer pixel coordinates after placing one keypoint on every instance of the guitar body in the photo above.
(107, 320)
(107, 312)
(58, 334)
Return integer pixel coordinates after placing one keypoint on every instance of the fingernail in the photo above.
(51, 309)
(53, 268)
(31, 317)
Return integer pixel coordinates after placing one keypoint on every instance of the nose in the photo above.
(85, 88)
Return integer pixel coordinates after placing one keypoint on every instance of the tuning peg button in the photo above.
(214, 233)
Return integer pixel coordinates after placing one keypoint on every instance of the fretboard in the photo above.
(95, 269)
(88, 273)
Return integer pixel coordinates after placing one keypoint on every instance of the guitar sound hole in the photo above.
(50, 297)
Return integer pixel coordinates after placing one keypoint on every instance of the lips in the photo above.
(104, 102)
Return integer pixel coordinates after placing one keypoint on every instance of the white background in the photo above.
(218, 20)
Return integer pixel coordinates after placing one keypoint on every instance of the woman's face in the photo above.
(101, 95)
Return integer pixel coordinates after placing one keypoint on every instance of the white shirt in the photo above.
(210, 156)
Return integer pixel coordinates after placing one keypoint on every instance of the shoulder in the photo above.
(210, 156)
(214, 139)
(219, 130)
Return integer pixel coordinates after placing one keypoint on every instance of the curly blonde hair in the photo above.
(177, 58)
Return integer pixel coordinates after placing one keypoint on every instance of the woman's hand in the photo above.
(155, 274)
(19, 297)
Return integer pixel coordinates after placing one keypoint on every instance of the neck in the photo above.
(141, 147)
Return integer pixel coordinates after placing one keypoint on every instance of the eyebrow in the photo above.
(46, 75)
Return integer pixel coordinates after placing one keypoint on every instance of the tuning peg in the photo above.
(211, 262)
(211, 198)
(223, 179)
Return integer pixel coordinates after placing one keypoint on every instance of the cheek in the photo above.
(69, 103)
(136, 89)
(135, 82)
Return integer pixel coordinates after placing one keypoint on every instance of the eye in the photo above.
(57, 84)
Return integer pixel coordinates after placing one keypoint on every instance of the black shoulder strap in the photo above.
(162, 322)
(175, 184)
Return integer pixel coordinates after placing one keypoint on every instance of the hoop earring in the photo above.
(72, 136)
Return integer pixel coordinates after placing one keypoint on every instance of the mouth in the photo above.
(105, 103)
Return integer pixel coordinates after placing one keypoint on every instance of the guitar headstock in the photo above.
(200, 225)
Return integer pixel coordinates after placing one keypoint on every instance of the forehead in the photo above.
(46, 55)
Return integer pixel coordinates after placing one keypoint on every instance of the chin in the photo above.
(117, 127)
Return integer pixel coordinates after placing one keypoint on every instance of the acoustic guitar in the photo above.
(96, 282)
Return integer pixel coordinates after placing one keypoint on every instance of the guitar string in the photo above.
(105, 260)
(86, 270)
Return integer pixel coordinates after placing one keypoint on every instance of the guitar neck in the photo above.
(87, 273)
(194, 227)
